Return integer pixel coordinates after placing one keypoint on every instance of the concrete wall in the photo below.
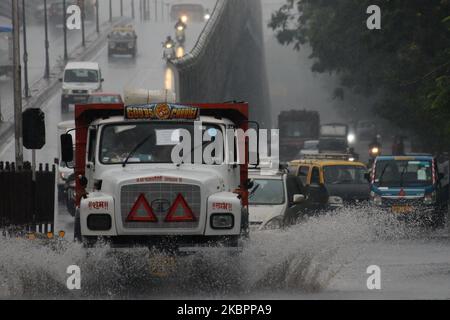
(228, 63)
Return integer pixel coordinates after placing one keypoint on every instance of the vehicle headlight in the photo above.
(184, 18)
(222, 221)
(275, 223)
(207, 16)
(375, 150)
(376, 199)
(131, 45)
(351, 138)
(430, 198)
(336, 201)
(112, 45)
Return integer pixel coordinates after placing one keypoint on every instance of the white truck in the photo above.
(130, 192)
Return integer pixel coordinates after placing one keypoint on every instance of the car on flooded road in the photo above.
(104, 98)
(332, 181)
(275, 201)
(411, 187)
(122, 40)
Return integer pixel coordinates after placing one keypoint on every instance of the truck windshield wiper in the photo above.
(136, 148)
(380, 179)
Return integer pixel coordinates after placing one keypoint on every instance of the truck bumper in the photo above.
(175, 244)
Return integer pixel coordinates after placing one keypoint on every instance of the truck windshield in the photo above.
(337, 145)
(297, 129)
(266, 192)
(344, 175)
(81, 75)
(396, 173)
(117, 141)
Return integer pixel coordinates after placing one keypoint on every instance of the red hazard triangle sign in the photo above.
(149, 216)
(174, 216)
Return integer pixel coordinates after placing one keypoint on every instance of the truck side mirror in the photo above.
(66, 148)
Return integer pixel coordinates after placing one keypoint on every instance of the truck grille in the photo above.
(160, 197)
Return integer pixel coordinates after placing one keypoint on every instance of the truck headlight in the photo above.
(222, 221)
(99, 222)
(430, 198)
(376, 199)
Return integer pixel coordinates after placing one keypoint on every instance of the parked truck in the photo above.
(296, 127)
(334, 138)
(130, 192)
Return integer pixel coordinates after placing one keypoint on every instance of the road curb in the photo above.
(43, 89)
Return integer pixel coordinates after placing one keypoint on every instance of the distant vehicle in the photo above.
(6, 47)
(80, 80)
(188, 13)
(334, 138)
(366, 130)
(275, 201)
(180, 32)
(56, 11)
(333, 181)
(296, 127)
(123, 41)
(412, 187)
(310, 147)
(64, 169)
(104, 98)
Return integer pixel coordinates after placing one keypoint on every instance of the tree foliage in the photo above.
(405, 65)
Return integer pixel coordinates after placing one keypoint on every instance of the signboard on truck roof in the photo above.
(161, 111)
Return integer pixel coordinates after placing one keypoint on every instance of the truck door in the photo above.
(90, 157)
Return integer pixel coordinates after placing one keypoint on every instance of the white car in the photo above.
(275, 200)
(80, 79)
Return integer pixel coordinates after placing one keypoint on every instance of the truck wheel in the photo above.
(77, 227)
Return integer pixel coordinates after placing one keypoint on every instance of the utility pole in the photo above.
(156, 10)
(97, 18)
(66, 55)
(47, 60)
(83, 34)
(17, 84)
(121, 8)
(110, 10)
(132, 9)
(25, 52)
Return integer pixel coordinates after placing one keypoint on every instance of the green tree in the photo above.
(405, 66)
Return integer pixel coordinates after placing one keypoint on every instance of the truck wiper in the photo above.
(136, 148)
(204, 143)
(380, 179)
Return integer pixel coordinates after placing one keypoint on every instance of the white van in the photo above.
(80, 79)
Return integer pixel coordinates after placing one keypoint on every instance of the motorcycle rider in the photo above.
(180, 31)
(169, 48)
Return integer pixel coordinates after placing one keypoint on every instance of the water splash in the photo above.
(303, 258)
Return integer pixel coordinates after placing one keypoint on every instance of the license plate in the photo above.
(162, 266)
(402, 209)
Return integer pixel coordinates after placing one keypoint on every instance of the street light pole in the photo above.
(66, 55)
(25, 52)
(132, 9)
(17, 84)
(97, 18)
(83, 34)
(121, 8)
(47, 59)
(110, 10)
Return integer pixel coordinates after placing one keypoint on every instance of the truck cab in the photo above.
(131, 192)
(412, 187)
